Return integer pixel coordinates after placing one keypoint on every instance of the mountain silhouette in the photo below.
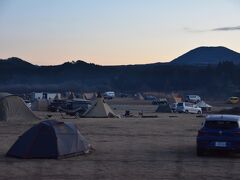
(208, 55)
(218, 73)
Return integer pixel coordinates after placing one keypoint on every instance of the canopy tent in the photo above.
(100, 109)
(205, 107)
(13, 108)
(50, 139)
(138, 96)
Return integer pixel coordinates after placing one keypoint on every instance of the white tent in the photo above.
(204, 106)
(13, 108)
(100, 109)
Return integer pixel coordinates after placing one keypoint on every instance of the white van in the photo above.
(109, 95)
(185, 107)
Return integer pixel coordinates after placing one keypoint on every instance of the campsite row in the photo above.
(76, 106)
(55, 139)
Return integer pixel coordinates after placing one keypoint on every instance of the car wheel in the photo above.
(200, 152)
(186, 111)
(199, 112)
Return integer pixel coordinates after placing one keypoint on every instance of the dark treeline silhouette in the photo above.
(18, 76)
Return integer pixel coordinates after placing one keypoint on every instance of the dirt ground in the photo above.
(127, 148)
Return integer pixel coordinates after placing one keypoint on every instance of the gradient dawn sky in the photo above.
(112, 32)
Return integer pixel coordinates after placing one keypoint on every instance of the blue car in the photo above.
(219, 132)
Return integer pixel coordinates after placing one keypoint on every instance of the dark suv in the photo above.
(219, 132)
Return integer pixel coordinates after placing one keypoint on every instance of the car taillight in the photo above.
(201, 133)
(237, 133)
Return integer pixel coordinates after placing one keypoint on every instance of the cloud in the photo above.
(232, 28)
(193, 30)
(227, 28)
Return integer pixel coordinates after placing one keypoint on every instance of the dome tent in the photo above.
(13, 108)
(50, 139)
(164, 106)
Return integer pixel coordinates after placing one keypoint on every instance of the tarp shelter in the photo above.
(164, 108)
(204, 106)
(50, 139)
(57, 97)
(13, 108)
(177, 98)
(89, 96)
(71, 96)
(100, 109)
(138, 96)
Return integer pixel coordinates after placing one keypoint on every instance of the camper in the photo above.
(43, 95)
(193, 98)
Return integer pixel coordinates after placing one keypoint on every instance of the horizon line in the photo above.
(109, 65)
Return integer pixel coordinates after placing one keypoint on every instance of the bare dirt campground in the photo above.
(131, 148)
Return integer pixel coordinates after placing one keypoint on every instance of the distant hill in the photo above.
(19, 76)
(208, 55)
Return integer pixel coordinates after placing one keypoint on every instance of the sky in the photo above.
(114, 32)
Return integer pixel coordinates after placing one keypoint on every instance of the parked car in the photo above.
(150, 98)
(123, 95)
(185, 107)
(193, 98)
(56, 105)
(219, 132)
(109, 95)
(174, 107)
(160, 101)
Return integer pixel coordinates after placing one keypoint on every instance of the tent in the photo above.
(13, 108)
(100, 109)
(164, 108)
(138, 96)
(89, 96)
(71, 96)
(40, 105)
(205, 107)
(50, 139)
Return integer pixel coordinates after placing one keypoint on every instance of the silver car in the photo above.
(185, 107)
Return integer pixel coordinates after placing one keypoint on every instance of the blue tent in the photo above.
(50, 139)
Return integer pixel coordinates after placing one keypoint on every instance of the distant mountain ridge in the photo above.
(17, 75)
(208, 55)
(199, 56)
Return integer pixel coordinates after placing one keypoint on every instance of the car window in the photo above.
(221, 124)
(180, 104)
(189, 104)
